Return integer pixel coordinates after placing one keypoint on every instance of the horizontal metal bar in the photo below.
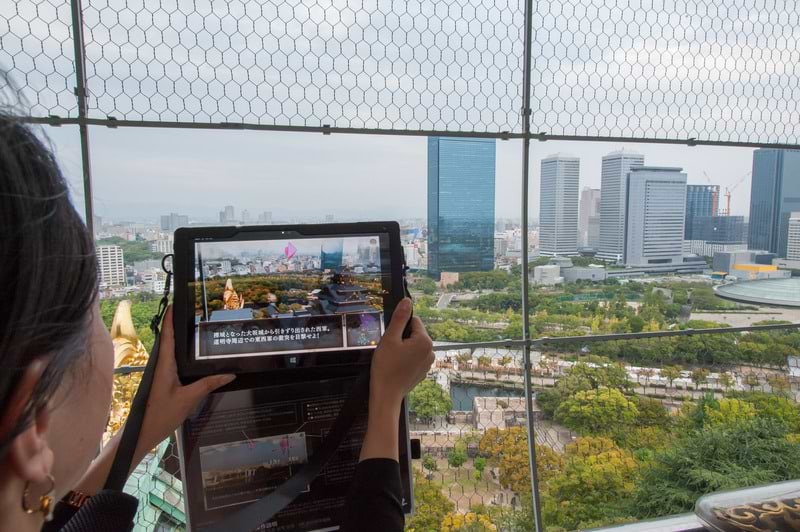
(237, 126)
(658, 334)
(127, 370)
(659, 140)
(673, 523)
(539, 342)
(500, 344)
(113, 123)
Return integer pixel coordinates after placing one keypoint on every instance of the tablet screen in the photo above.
(257, 296)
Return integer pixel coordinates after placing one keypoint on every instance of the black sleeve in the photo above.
(107, 511)
(374, 499)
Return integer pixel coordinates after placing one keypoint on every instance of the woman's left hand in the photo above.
(168, 405)
(170, 402)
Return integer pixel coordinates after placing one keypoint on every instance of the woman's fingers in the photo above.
(166, 351)
(195, 391)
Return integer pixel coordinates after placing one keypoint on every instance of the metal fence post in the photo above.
(526, 349)
(82, 96)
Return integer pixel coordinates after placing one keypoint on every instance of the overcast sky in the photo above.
(142, 173)
(718, 70)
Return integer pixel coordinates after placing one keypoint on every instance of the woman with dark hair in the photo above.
(56, 368)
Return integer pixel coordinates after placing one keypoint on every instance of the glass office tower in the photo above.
(701, 201)
(613, 186)
(461, 174)
(775, 194)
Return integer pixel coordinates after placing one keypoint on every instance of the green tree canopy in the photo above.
(507, 449)
(597, 411)
(597, 478)
(725, 456)
(593, 373)
(431, 505)
(428, 400)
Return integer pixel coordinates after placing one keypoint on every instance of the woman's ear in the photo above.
(29, 456)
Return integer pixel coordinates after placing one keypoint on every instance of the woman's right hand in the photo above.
(398, 363)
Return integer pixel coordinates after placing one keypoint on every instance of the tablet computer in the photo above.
(252, 299)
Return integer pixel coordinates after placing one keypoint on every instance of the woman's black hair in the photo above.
(48, 272)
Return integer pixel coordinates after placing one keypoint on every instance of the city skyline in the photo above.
(166, 179)
(300, 247)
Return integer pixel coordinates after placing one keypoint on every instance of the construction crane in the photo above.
(729, 190)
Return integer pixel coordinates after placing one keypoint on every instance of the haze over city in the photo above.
(297, 175)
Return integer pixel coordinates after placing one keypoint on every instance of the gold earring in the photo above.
(45, 501)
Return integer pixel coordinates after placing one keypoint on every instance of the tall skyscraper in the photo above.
(613, 178)
(654, 217)
(775, 194)
(701, 200)
(173, 220)
(793, 240)
(719, 229)
(111, 263)
(558, 205)
(589, 218)
(265, 217)
(331, 254)
(461, 175)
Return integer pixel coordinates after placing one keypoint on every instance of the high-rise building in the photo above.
(245, 216)
(111, 263)
(775, 194)
(793, 237)
(461, 175)
(331, 254)
(173, 220)
(558, 205)
(329, 218)
(613, 179)
(589, 218)
(265, 217)
(162, 245)
(654, 216)
(227, 215)
(719, 229)
(701, 200)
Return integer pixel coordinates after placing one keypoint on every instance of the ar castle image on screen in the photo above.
(290, 283)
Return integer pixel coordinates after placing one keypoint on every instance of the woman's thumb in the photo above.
(400, 316)
(199, 389)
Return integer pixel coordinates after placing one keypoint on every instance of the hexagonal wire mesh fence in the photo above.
(712, 71)
(349, 64)
(709, 71)
(37, 53)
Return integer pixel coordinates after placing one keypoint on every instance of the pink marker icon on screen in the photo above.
(289, 250)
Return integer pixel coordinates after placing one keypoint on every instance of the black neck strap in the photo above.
(121, 467)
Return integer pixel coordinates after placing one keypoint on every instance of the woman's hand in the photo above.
(398, 365)
(170, 403)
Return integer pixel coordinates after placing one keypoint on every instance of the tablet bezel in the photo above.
(190, 369)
